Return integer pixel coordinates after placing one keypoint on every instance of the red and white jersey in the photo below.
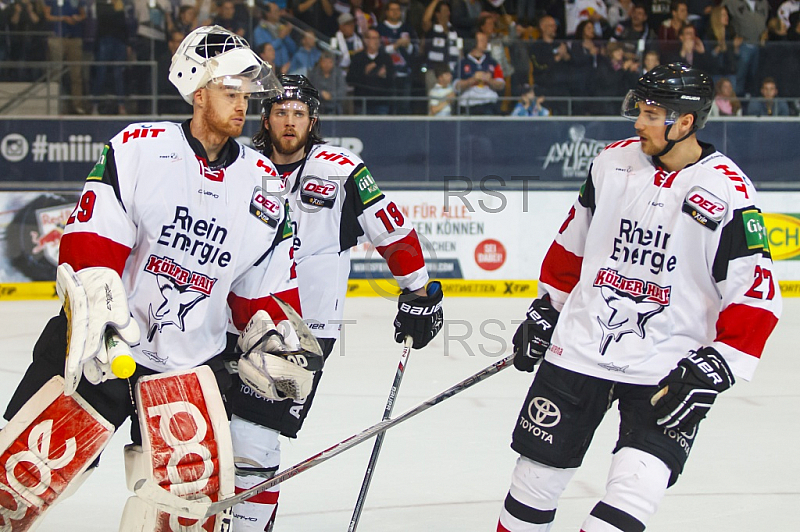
(335, 204)
(193, 244)
(650, 264)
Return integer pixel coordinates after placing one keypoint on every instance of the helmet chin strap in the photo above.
(671, 143)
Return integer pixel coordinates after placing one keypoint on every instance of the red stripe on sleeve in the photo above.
(404, 256)
(87, 250)
(560, 268)
(242, 309)
(745, 328)
(501, 528)
(265, 497)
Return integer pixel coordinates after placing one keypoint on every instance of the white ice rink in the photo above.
(448, 469)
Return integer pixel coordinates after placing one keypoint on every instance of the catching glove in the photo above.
(687, 393)
(279, 360)
(419, 317)
(533, 335)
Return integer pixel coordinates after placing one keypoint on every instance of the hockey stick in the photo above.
(166, 501)
(376, 449)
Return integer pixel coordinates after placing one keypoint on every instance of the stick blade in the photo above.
(151, 492)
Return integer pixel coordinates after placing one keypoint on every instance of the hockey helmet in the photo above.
(678, 88)
(295, 87)
(212, 53)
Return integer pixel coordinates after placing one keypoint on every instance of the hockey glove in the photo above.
(419, 317)
(687, 393)
(533, 335)
(94, 301)
(279, 360)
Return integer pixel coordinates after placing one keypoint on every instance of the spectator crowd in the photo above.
(444, 57)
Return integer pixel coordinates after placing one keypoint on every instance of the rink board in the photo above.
(479, 243)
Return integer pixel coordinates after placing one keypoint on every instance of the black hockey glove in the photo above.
(419, 317)
(687, 393)
(533, 335)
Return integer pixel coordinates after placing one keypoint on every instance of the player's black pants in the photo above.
(563, 409)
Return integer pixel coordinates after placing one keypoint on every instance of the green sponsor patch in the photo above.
(755, 231)
(367, 187)
(100, 166)
(287, 224)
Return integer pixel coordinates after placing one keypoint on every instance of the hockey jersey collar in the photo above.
(707, 149)
(227, 155)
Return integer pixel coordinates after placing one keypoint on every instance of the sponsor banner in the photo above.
(526, 289)
(550, 150)
(475, 235)
(480, 236)
(450, 287)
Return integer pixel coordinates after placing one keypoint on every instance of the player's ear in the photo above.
(687, 121)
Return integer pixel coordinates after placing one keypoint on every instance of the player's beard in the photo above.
(289, 146)
(222, 125)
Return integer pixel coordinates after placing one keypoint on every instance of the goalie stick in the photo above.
(199, 509)
(376, 449)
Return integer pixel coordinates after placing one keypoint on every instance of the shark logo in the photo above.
(181, 290)
(154, 356)
(632, 302)
(178, 301)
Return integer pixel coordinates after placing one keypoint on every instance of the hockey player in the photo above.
(333, 202)
(178, 228)
(657, 290)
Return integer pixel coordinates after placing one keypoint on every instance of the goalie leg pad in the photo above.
(140, 516)
(636, 484)
(186, 440)
(47, 448)
(533, 497)
(258, 455)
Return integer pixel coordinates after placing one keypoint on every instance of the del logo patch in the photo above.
(265, 207)
(319, 192)
(704, 207)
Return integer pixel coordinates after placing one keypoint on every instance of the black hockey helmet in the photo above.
(678, 88)
(296, 87)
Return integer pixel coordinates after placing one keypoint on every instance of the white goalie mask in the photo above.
(212, 53)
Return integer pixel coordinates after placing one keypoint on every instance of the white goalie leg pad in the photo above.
(636, 484)
(258, 455)
(533, 496)
(45, 451)
(186, 447)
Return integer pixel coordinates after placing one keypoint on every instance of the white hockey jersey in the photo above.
(650, 264)
(335, 203)
(189, 241)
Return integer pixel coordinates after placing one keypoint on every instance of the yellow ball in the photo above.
(123, 366)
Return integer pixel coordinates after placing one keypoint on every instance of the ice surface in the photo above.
(448, 468)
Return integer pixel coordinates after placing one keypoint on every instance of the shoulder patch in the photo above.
(755, 232)
(704, 207)
(100, 166)
(265, 207)
(288, 231)
(367, 187)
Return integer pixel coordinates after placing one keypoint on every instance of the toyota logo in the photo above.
(544, 412)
